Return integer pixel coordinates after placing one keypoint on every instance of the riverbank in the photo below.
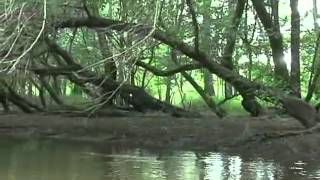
(241, 135)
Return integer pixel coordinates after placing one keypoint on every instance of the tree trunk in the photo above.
(56, 85)
(208, 83)
(276, 43)
(51, 91)
(249, 102)
(42, 97)
(206, 46)
(110, 67)
(295, 82)
(315, 15)
(168, 89)
(314, 74)
(41, 90)
(302, 111)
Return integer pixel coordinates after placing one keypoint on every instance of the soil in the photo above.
(240, 135)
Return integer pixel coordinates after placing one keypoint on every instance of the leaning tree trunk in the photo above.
(302, 111)
(231, 40)
(249, 103)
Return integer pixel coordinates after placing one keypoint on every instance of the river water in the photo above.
(36, 159)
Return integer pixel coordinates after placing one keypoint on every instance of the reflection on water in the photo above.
(52, 160)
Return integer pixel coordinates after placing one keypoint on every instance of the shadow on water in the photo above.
(36, 159)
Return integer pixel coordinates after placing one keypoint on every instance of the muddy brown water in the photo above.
(49, 159)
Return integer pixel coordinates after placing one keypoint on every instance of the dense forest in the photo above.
(177, 57)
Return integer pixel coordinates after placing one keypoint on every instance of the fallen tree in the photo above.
(134, 95)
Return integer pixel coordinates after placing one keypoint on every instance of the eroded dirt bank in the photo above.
(234, 135)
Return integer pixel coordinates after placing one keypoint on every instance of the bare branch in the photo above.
(157, 72)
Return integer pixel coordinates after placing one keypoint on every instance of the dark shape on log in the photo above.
(143, 102)
(139, 99)
(301, 110)
(251, 105)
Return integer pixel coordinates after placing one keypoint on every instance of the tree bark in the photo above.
(231, 40)
(295, 82)
(206, 46)
(208, 82)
